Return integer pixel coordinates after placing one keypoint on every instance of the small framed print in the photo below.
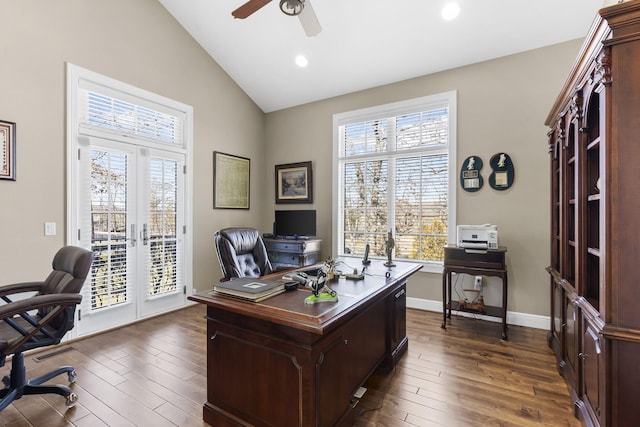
(471, 179)
(294, 183)
(7, 150)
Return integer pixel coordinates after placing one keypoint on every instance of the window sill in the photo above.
(427, 267)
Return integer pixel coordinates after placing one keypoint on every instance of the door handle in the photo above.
(145, 235)
(132, 239)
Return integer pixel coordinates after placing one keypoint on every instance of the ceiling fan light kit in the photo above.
(291, 7)
(308, 19)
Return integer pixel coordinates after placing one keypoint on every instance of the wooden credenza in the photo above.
(594, 147)
(281, 362)
(292, 253)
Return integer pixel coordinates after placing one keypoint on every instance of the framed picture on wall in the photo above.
(294, 183)
(7, 150)
(230, 181)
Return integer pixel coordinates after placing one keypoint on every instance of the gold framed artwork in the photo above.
(7, 150)
(230, 181)
(294, 183)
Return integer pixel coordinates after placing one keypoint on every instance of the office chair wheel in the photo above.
(6, 380)
(72, 376)
(71, 401)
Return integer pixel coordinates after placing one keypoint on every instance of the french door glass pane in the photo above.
(163, 196)
(108, 228)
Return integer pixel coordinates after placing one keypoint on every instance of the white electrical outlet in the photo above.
(49, 228)
(478, 283)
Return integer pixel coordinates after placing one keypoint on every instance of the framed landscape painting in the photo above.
(294, 183)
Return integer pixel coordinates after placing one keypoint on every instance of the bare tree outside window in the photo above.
(395, 176)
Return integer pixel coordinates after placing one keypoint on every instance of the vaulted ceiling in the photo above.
(368, 43)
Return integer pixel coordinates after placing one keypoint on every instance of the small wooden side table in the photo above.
(476, 262)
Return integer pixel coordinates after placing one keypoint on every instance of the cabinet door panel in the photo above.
(592, 363)
(334, 389)
(398, 321)
(571, 337)
(366, 343)
(558, 297)
(347, 361)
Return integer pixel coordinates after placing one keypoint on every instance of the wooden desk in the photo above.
(490, 262)
(281, 362)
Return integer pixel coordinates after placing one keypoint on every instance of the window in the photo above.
(100, 111)
(394, 168)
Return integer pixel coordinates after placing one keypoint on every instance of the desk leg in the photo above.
(504, 307)
(444, 299)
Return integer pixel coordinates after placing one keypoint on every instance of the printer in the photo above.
(478, 236)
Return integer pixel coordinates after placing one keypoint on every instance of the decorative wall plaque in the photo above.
(470, 178)
(503, 172)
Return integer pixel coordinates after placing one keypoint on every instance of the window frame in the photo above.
(426, 103)
(78, 137)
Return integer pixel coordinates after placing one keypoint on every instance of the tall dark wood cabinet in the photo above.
(594, 147)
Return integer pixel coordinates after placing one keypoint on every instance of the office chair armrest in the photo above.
(17, 288)
(54, 304)
(38, 302)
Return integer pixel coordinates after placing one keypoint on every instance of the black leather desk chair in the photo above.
(241, 253)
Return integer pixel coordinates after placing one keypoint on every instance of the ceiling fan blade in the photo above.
(248, 8)
(309, 20)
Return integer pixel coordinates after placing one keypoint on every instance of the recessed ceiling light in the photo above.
(302, 61)
(450, 11)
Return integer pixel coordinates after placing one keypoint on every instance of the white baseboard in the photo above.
(513, 318)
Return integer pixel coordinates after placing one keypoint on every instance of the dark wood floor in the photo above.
(153, 374)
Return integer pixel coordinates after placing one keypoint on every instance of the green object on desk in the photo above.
(323, 297)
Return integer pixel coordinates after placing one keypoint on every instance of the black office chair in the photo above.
(41, 320)
(241, 253)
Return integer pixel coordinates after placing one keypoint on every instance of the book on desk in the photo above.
(249, 288)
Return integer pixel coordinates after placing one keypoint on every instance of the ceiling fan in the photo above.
(300, 8)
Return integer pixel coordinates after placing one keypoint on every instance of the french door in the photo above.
(132, 218)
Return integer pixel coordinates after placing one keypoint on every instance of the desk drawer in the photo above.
(296, 246)
(293, 259)
(474, 258)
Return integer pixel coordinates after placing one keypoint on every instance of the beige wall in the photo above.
(502, 105)
(139, 43)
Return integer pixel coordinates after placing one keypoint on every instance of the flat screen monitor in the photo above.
(301, 223)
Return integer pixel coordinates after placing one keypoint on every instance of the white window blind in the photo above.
(110, 284)
(394, 174)
(162, 230)
(112, 111)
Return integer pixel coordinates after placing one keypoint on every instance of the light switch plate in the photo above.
(49, 228)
